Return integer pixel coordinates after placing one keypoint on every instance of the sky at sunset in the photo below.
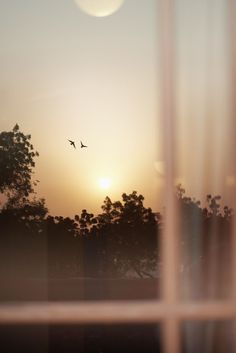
(67, 75)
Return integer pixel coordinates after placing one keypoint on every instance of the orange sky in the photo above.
(67, 75)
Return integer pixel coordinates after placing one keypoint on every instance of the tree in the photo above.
(205, 241)
(22, 217)
(16, 164)
(128, 234)
(62, 246)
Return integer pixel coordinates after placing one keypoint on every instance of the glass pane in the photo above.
(208, 337)
(205, 166)
(82, 91)
(86, 339)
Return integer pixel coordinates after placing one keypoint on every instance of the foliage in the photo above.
(132, 233)
(120, 240)
(205, 242)
(16, 163)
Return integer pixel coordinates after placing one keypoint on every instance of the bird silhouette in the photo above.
(82, 145)
(72, 143)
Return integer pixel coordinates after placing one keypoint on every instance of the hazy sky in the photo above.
(67, 75)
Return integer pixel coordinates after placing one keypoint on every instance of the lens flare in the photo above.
(99, 8)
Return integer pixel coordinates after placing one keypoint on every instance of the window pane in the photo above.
(208, 337)
(205, 166)
(83, 339)
(83, 92)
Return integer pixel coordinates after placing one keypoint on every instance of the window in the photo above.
(185, 320)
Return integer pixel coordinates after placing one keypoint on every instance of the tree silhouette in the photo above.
(16, 163)
(128, 234)
(22, 215)
(62, 246)
(204, 238)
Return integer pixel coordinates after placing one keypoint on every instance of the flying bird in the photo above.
(82, 145)
(72, 143)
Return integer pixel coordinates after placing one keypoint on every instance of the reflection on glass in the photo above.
(208, 337)
(204, 149)
(205, 248)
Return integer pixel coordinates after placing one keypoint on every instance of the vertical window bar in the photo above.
(232, 72)
(232, 54)
(171, 337)
(169, 244)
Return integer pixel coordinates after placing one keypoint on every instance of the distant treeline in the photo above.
(123, 240)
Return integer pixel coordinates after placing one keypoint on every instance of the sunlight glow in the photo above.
(105, 183)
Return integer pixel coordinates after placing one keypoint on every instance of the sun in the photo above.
(105, 183)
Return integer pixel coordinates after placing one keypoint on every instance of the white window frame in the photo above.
(170, 310)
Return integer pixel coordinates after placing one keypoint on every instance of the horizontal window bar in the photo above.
(113, 312)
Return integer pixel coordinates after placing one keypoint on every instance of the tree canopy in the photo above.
(16, 164)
